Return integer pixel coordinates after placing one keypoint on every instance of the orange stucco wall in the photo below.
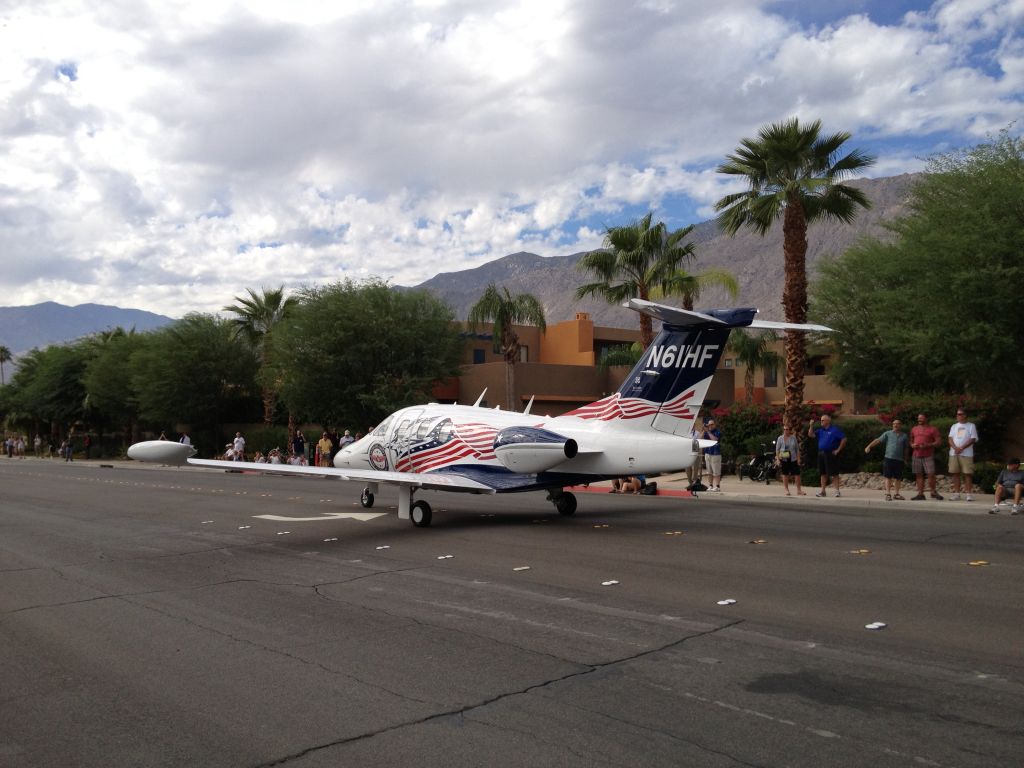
(569, 343)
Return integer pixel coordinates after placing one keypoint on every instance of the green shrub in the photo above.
(264, 439)
(992, 415)
(809, 476)
(759, 443)
(985, 474)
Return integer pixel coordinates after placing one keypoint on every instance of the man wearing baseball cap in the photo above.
(1009, 483)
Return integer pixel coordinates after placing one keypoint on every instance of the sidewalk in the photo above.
(734, 490)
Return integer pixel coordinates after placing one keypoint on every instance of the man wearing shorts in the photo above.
(924, 439)
(962, 437)
(831, 441)
(1009, 483)
(896, 443)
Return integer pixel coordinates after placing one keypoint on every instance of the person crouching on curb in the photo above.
(787, 457)
(1010, 482)
(896, 443)
(831, 441)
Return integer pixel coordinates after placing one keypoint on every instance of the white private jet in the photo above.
(643, 428)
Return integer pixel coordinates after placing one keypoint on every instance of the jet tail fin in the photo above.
(666, 388)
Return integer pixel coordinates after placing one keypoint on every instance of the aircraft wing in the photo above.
(429, 480)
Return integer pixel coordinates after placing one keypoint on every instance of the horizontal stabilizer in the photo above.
(672, 315)
(740, 317)
(771, 325)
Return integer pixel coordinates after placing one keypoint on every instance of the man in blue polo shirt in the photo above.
(831, 441)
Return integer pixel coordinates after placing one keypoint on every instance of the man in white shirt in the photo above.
(962, 437)
(239, 446)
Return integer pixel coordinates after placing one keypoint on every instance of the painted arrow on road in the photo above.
(329, 516)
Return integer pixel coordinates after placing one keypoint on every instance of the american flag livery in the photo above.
(467, 440)
(618, 407)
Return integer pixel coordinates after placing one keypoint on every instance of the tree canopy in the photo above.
(255, 319)
(937, 306)
(638, 259)
(353, 352)
(195, 371)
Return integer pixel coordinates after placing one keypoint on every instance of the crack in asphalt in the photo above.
(278, 651)
(461, 711)
(143, 593)
(445, 628)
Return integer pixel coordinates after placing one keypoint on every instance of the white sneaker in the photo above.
(1015, 509)
(838, 494)
(994, 510)
(820, 494)
(954, 497)
(968, 497)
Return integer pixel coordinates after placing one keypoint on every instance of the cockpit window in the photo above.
(403, 428)
(423, 429)
(443, 431)
(382, 430)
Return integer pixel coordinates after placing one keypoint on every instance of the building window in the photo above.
(771, 377)
(524, 354)
(478, 356)
(727, 363)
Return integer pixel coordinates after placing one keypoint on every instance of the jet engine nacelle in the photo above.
(161, 452)
(529, 450)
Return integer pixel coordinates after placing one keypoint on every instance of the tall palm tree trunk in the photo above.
(794, 303)
(646, 325)
(510, 385)
(269, 406)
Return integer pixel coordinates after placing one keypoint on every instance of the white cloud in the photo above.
(170, 155)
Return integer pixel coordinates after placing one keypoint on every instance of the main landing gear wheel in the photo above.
(565, 503)
(420, 514)
(366, 498)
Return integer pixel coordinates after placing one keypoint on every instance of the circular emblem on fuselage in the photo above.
(378, 457)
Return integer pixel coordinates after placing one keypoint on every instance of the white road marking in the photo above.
(328, 516)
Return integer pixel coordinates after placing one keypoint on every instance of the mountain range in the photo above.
(755, 261)
(38, 325)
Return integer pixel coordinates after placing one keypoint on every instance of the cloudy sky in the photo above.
(168, 155)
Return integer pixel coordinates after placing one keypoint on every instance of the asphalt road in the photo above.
(148, 617)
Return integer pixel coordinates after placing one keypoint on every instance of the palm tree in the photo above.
(5, 357)
(794, 174)
(753, 351)
(505, 311)
(255, 319)
(637, 260)
(690, 287)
